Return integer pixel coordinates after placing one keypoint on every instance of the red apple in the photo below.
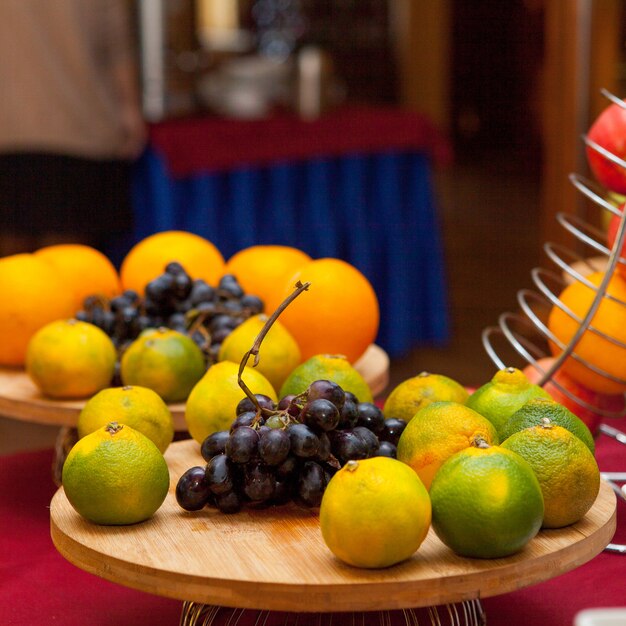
(609, 132)
(602, 401)
(610, 240)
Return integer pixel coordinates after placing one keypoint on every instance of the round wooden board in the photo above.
(20, 399)
(275, 559)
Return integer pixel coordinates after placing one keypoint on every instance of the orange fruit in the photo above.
(164, 360)
(137, 407)
(374, 513)
(33, 294)
(339, 314)
(326, 367)
(413, 394)
(70, 359)
(264, 270)
(487, 502)
(505, 393)
(538, 409)
(84, 270)
(212, 403)
(594, 349)
(438, 431)
(148, 258)
(115, 475)
(279, 354)
(565, 467)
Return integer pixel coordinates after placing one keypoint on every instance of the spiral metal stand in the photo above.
(527, 331)
(467, 613)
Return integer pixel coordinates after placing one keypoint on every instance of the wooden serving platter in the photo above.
(21, 400)
(275, 559)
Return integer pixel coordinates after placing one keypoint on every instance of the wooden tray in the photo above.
(275, 559)
(20, 399)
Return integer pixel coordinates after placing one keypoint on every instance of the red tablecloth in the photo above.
(207, 143)
(39, 587)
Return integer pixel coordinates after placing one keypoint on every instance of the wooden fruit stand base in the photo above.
(274, 560)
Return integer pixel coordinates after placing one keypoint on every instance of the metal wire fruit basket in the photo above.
(524, 336)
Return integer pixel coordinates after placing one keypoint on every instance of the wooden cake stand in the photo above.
(274, 559)
(21, 400)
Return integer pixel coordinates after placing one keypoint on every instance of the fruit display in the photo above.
(276, 452)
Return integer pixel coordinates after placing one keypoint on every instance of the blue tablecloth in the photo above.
(376, 211)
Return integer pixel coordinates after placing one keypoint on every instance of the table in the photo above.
(38, 586)
(354, 184)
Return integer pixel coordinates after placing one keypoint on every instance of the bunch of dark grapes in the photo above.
(277, 453)
(174, 300)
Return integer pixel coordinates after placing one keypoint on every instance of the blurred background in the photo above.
(509, 87)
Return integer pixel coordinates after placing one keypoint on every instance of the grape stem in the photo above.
(298, 289)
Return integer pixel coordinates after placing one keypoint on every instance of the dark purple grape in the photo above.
(229, 502)
(192, 489)
(241, 446)
(228, 288)
(369, 438)
(160, 289)
(218, 336)
(219, 474)
(131, 295)
(274, 446)
(351, 396)
(182, 286)
(244, 419)
(174, 268)
(346, 446)
(214, 444)
(283, 490)
(245, 404)
(262, 429)
(328, 390)
(201, 292)
(349, 414)
(392, 429)
(388, 449)
(82, 316)
(206, 308)
(304, 442)
(287, 468)
(370, 416)
(253, 303)
(258, 482)
(311, 484)
(287, 404)
(222, 321)
(324, 451)
(320, 414)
